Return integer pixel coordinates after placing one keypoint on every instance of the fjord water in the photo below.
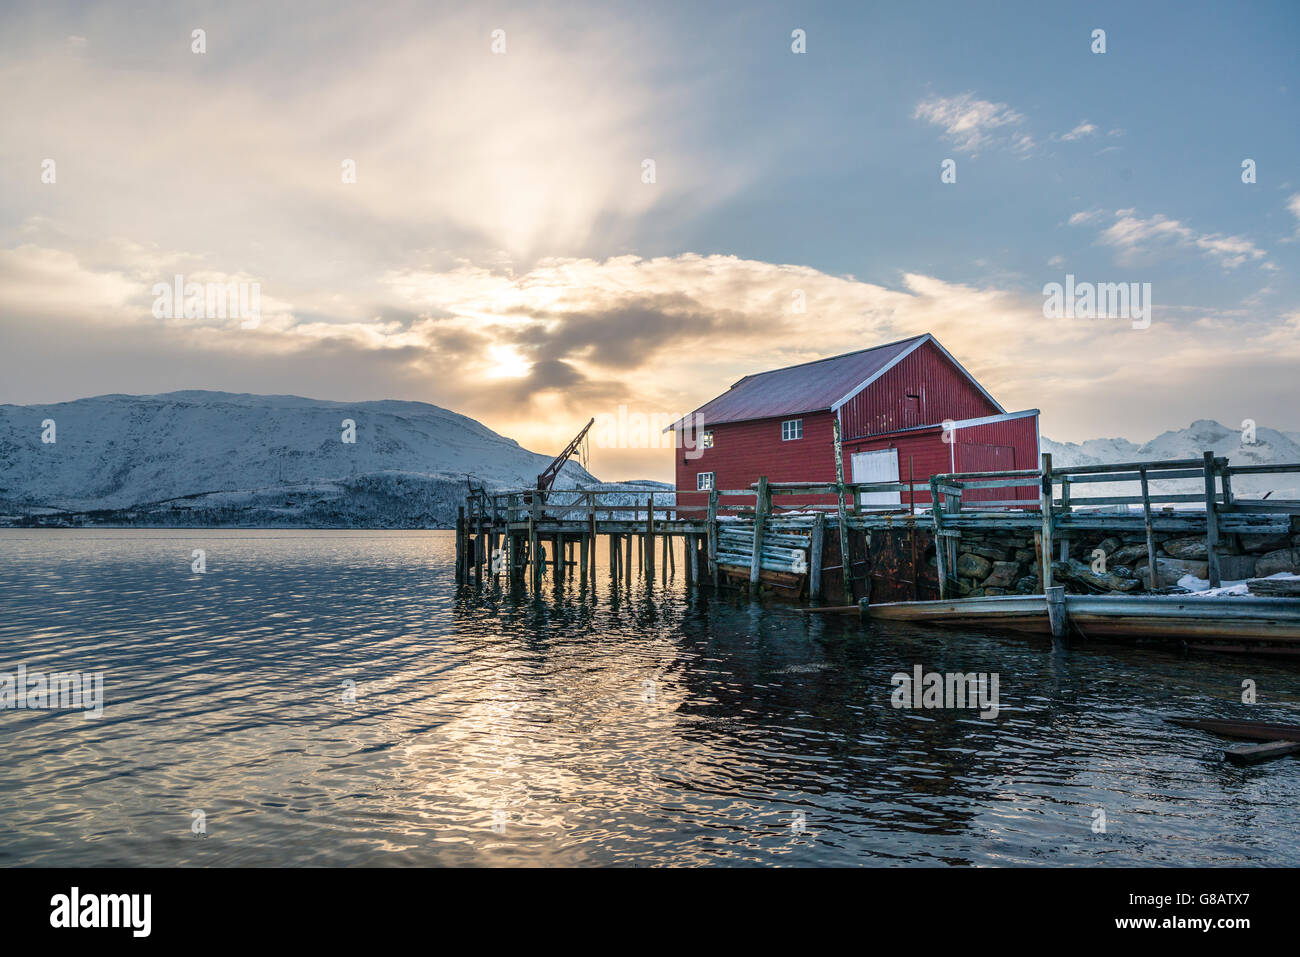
(642, 727)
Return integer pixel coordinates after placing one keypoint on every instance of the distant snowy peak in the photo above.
(119, 451)
(1270, 447)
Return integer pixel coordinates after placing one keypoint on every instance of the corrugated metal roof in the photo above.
(808, 387)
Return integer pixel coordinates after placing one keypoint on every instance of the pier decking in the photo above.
(826, 545)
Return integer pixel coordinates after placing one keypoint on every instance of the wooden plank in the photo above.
(846, 563)
(1254, 753)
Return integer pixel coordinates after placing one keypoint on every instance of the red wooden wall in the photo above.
(943, 393)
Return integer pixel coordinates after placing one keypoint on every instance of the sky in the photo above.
(534, 216)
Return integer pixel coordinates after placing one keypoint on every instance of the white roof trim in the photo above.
(928, 337)
(988, 419)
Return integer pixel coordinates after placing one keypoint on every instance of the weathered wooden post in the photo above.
(762, 502)
(534, 553)
(1065, 510)
(940, 545)
(713, 536)
(460, 545)
(815, 542)
(1211, 523)
(1056, 613)
(846, 563)
(1045, 504)
(1146, 521)
(650, 539)
(690, 555)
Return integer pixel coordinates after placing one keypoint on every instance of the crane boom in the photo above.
(547, 478)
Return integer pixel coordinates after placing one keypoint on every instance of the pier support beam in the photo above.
(1056, 613)
(460, 545)
(1211, 523)
(815, 544)
(1045, 504)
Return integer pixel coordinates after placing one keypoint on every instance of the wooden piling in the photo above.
(1057, 615)
(1045, 504)
(762, 502)
(534, 555)
(846, 564)
(713, 535)
(649, 567)
(1211, 523)
(940, 552)
(815, 544)
(460, 545)
(1152, 566)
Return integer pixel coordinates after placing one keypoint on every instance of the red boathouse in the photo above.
(904, 408)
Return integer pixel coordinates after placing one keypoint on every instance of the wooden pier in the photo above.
(818, 542)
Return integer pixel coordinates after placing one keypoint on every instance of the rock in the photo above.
(976, 593)
(1169, 570)
(973, 566)
(964, 587)
(1282, 560)
(1003, 575)
(1024, 555)
(1117, 579)
(1129, 554)
(1189, 549)
(990, 552)
(1109, 545)
(1027, 585)
(1275, 587)
(995, 591)
(1264, 543)
(1235, 568)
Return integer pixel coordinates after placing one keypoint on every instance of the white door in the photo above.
(878, 466)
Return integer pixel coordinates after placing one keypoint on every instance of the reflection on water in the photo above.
(633, 727)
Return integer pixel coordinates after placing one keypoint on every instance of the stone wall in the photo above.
(1004, 562)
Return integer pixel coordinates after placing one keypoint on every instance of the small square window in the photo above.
(706, 440)
(791, 429)
(703, 481)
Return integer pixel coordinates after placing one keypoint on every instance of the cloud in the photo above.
(1079, 132)
(1138, 239)
(1293, 206)
(972, 124)
(532, 352)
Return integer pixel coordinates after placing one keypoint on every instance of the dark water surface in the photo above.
(647, 728)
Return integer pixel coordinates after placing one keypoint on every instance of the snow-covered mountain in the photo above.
(218, 458)
(1270, 447)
